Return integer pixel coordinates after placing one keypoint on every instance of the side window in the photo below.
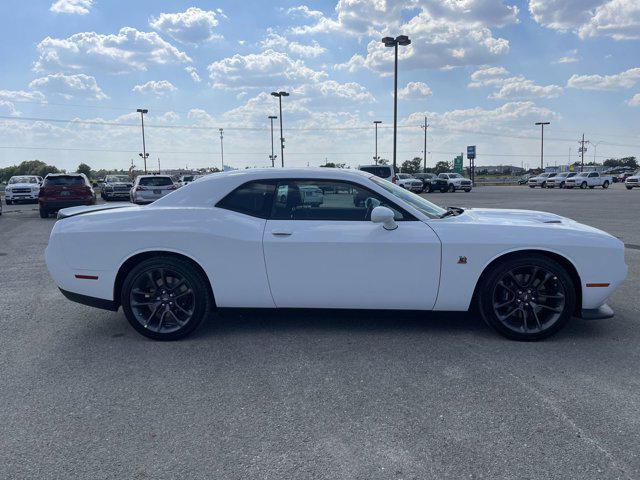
(328, 200)
(253, 198)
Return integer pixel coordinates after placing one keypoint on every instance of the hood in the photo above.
(500, 215)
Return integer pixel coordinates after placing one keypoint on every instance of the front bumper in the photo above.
(15, 197)
(602, 312)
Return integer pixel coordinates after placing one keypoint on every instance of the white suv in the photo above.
(22, 188)
(382, 171)
(632, 181)
(149, 188)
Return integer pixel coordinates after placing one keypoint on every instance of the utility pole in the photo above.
(375, 157)
(582, 151)
(221, 149)
(272, 157)
(159, 172)
(425, 126)
(144, 153)
(542, 124)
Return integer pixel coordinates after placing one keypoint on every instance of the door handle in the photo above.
(281, 234)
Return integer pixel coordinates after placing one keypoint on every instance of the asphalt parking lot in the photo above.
(318, 394)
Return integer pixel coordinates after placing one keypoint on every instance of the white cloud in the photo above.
(444, 35)
(414, 90)
(128, 50)
(8, 108)
(618, 19)
(200, 117)
(77, 7)
(21, 96)
(626, 79)
(69, 86)
(275, 41)
(511, 87)
(168, 117)
(265, 69)
(157, 87)
(193, 73)
(305, 11)
(332, 89)
(635, 100)
(193, 26)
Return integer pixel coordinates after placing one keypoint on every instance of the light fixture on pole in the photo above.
(375, 157)
(394, 42)
(144, 153)
(280, 95)
(272, 156)
(221, 150)
(542, 124)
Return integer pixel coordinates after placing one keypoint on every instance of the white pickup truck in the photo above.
(633, 181)
(588, 179)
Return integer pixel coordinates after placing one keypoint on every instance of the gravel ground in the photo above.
(321, 394)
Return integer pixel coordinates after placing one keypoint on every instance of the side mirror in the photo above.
(384, 216)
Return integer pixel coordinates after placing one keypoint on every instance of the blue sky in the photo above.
(483, 71)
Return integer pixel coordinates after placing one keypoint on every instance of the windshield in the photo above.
(23, 180)
(412, 199)
(188, 178)
(455, 175)
(156, 181)
(64, 180)
(117, 178)
(404, 175)
(382, 172)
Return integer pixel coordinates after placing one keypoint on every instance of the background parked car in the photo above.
(407, 181)
(427, 180)
(560, 179)
(633, 181)
(62, 190)
(623, 176)
(588, 179)
(382, 171)
(116, 187)
(149, 188)
(185, 180)
(524, 179)
(450, 182)
(540, 180)
(22, 188)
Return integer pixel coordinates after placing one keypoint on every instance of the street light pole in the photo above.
(375, 157)
(273, 156)
(394, 42)
(280, 95)
(542, 124)
(425, 126)
(221, 149)
(144, 155)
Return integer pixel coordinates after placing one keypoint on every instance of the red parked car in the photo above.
(62, 190)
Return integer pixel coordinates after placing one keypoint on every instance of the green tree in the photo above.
(334, 165)
(629, 162)
(442, 167)
(84, 168)
(411, 166)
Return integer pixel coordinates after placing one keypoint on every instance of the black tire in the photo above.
(605, 185)
(561, 184)
(200, 300)
(44, 213)
(544, 185)
(8, 202)
(451, 188)
(467, 190)
(583, 185)
(532, 186)
(628, 188)
(515, 326)
(428, 188)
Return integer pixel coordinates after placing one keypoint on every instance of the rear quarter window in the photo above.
(253, 198)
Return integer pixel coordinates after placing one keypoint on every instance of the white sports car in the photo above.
(228, 241)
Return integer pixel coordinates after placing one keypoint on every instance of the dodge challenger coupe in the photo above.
(247, 239)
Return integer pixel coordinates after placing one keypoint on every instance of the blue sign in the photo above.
(471, 151)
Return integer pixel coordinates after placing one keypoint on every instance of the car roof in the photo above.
(153, 176)
(75, 174)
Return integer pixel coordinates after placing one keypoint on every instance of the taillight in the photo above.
(140, 188)
(394, 179)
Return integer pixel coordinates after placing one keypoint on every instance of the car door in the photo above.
(332, 256)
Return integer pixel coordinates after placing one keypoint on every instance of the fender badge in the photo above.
(462, 260)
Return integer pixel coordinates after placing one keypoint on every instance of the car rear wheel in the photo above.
(452, 188)
(532, 186)
(8, 202)
(44, 213)
(544, 185)
(605, 185)
(467, 190)
(583, 185)
(165, 298)
(527, 298)
(629, 188)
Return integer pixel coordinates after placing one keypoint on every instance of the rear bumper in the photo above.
(58, 204)
(600, 313)
(91, 301)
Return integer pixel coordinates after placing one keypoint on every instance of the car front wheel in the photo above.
(527, 298)
(165, 298)
(583, 185)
